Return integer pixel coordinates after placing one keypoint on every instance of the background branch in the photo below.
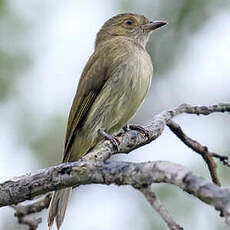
(23, 210)
(31, 222)
(159, 207)
(197, 147)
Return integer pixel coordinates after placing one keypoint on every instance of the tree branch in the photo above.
(31, 222)
(197, 147)
(93, 169)
(120, 173)
(33, 206)
(23, 210)
(133, 139)
(160, 208)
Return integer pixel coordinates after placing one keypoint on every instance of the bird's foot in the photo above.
(138, 128)
(125, 128)
(115, 142)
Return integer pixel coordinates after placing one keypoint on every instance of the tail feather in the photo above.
(57, 207)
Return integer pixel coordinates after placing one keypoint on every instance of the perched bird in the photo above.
(112, 86)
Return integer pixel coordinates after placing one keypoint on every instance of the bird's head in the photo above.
(129, 25)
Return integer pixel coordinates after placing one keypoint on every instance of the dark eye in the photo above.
(129, 22)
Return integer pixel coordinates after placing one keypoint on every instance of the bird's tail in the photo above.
(57, 207)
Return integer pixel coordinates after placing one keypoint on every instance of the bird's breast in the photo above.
(141, 71)
(130, 84)
(122, 94)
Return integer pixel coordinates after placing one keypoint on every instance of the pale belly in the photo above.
(116, 104)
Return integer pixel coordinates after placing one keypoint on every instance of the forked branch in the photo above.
(93, 168)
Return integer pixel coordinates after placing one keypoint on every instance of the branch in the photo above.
(23, 210)
(159, 207)
(120, 173)
(133, 139)
(92, 169)
(31, 222)
(197, 147)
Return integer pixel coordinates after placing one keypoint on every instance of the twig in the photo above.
(197, 147)
(23, 210)
(31, 222)
(223, 159)
(206, 110)
(159, 207)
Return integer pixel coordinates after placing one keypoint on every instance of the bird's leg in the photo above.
(115, 142)
(138, 128)
(125, 128)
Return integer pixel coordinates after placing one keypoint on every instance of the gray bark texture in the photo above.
(95, 168)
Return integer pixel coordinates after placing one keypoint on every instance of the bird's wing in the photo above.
(93, 77)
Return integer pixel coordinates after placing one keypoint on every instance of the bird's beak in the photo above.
(153, 25)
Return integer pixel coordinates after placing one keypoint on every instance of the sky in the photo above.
(61, 42)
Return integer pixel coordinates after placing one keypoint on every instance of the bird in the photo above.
(112, 86)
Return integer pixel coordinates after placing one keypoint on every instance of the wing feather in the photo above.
(92, 80)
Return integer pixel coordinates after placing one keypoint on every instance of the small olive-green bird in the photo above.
(112, 86)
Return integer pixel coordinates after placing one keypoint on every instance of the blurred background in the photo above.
(44, 46)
